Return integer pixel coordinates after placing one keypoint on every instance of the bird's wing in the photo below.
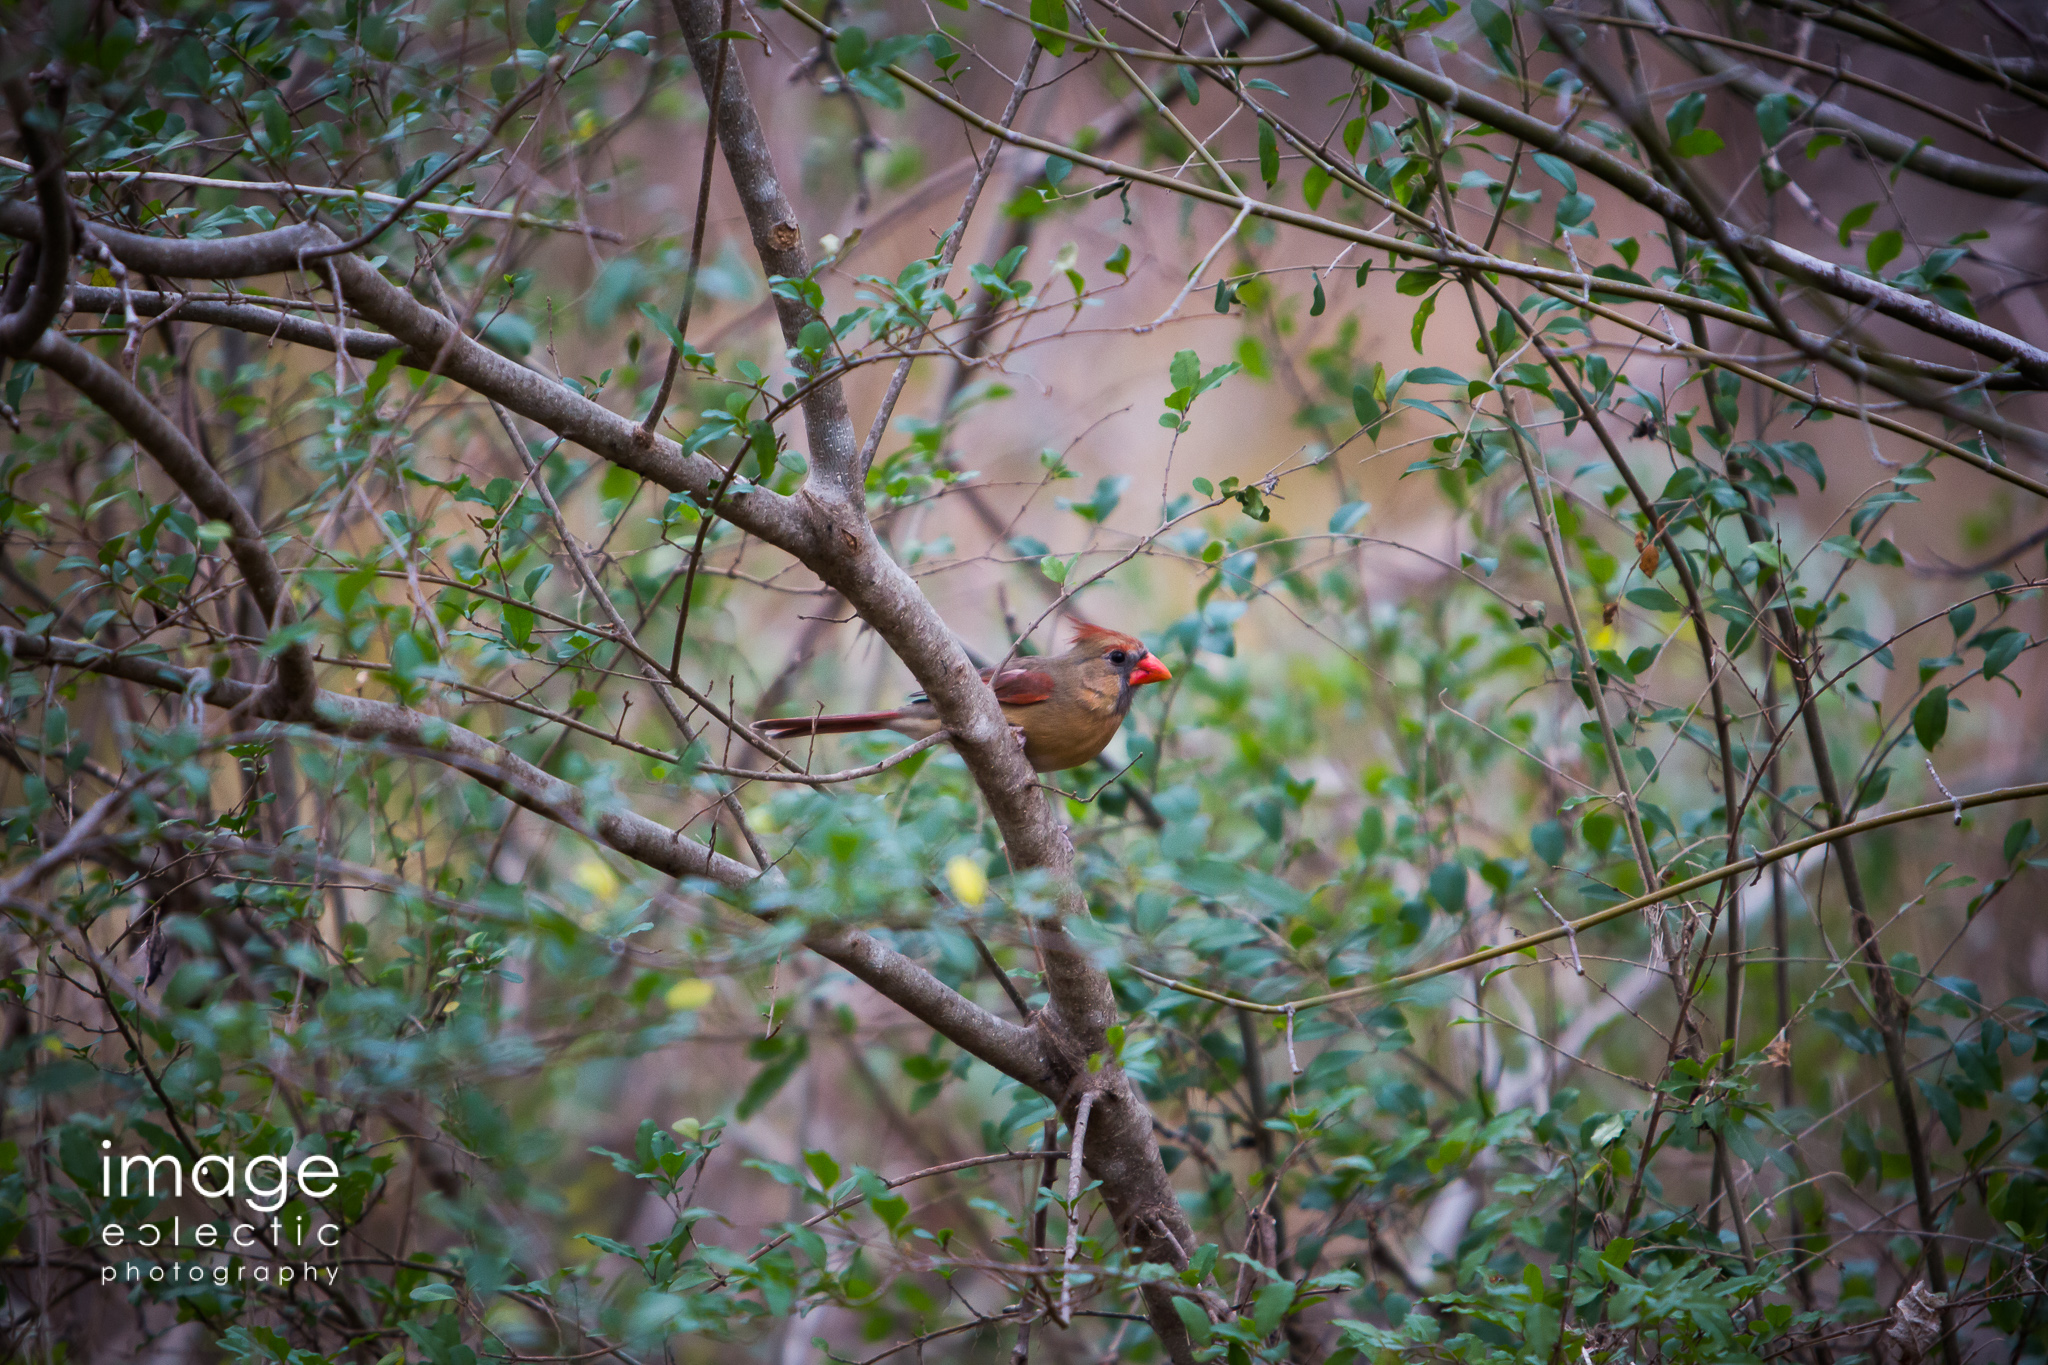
(1016, 687)
(1021, 686)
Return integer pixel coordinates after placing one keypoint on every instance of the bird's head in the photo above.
(1125, 654)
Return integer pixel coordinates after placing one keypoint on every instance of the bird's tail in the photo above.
(781, 727)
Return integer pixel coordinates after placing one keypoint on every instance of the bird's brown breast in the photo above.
(1073, 725)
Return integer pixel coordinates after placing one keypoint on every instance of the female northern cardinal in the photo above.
(1065, 708)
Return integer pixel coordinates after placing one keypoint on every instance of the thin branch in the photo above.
(948, 253)
(1675, 891)
(1064, 1314)
(450, 167)
(290, 188)
(690, 272)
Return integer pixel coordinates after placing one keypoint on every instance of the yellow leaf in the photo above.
(599, 880)
(1605, 638)
(690, 994)
(969, 882)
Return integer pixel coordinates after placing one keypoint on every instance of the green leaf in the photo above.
(1774, 115)
(1698, 142)
(1447, 886)
(1372, 833)
(850, 48)
(1558, 169)
(1930, 718)
(824, 1167)
(1574, 209)
(1548, 841)
(1494, 26)
(770, 1079)
(1653, 598)
(1421, 321)
(1853, 219)
(1269, 154)
(277, 127)
(1315, 183)
(1425, 405)
(1883, 249)
(815, 339)
(1052, 14)
(667, 327)
(1363, 405)
(540, 23)
(1350, 514)
(1119, 261)
(1685, 116)
(1108, 493)
(1271, 1306)
(1540, 1327)
(1194, 1319)
(1998, 655)
(1866, 643)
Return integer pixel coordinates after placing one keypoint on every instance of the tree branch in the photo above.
(203, 486)
(1640, 186)
(260, 319)
(1011, 1049)
(778, 237)
(845, 553)
(1882, 142)
(220, 258)
(36, 291)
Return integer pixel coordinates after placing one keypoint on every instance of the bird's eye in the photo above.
(1117, 656)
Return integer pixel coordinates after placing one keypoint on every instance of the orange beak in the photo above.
(1149, 670)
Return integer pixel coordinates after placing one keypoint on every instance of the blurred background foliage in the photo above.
(583, 1110)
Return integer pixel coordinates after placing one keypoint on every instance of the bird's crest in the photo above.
(1088, 633)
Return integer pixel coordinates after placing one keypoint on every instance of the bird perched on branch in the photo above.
(1065, 708)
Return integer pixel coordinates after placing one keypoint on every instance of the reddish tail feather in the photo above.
(783, 726)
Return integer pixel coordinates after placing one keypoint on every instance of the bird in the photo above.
(1065, 708)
